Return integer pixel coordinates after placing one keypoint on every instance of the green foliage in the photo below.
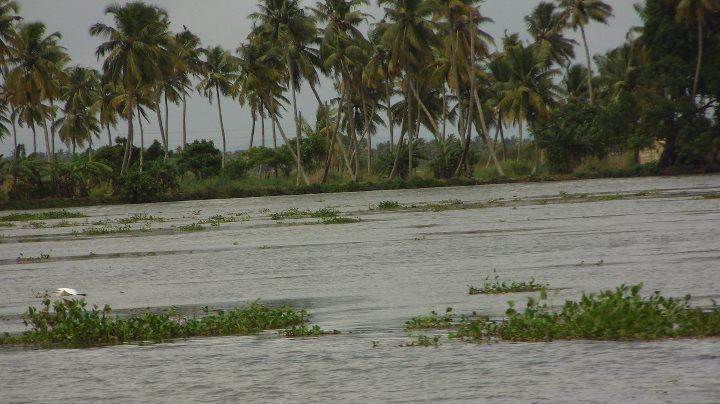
(388, 205)
(139, 187)
(235, 169)
(295, 213)
(191, 227)
(433, 321)
(620, 314)
(26, 217)
(496, 287)
(103, 230)
(445, 157)
(340, 220)
(305, 331)
(71, 322)
(202, 158)
(424, 341)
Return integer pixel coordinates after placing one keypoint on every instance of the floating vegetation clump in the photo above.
(32, 260)
(424, 341)
(620, 314)
(340, 220)
(295, 213)
(445, 205)
(71, 322)
(217, 220)
(103, 230)
(305, 331)
(26, 217)
(496, 287)
(7, 224)
(140, 217)
(387, 205)
(433, 321)
(191, 227)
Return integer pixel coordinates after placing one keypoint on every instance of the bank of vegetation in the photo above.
(426, 74)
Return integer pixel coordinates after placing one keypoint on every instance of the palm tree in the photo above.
(408, 33)
(220, 71)
(37, 61)
(574, 85)
(578, 14)
(546, 26)
(106, 104)
(80, 92)
(137, 48)
(698, 12)
(187, 45)
(8, 9)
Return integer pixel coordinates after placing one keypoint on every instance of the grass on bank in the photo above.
(620, 314)
(73, 323)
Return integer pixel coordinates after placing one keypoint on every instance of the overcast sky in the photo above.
(225, 23)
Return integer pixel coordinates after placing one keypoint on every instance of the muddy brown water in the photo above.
(366, 279)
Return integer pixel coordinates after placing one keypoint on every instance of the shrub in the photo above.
(235, 169)
(139, 187)
(202, 158)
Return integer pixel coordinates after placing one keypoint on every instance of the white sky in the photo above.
(225, 23)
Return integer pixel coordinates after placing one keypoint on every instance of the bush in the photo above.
(235, 169)
(165, 172)
(139, 187)
(202, 158)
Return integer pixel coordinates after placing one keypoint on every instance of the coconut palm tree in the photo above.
(220, 71)
(107, 106)
(187, 46)
(578, 14)
(700, 13)
(36, 61)
(408, 32)
(136, 49)
(546, 25)
(8, 18)
(80, 93)
(574, 85)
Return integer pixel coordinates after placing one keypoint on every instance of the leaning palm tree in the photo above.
(220, 71)
(699, 12)
(36, 61)
(546, 25)
(578, 14)
(137, 48)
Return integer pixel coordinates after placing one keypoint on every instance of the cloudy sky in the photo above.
(224, 23)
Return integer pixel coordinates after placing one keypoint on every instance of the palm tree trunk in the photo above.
(52, 126)
(295, 114)
(444, 112)
(591, 92)
(163, 137)
(128, 144)
(142, 138)
(336, 138)
(397, 155)
(48, 150)
(107, 127)
(222, 125)
(167, 128)
(471, 76)
(262, 126)
(14, 129)
(519, 148)
(410, 133)
(290, 149)
(184, 121)
(502, 135)
(73, 146)
(696, 81)
(252, 131)
(389, 109)
(421, 106)
(366, 133)
(486, 138)
(297, 145)
(34, 140)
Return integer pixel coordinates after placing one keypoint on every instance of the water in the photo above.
(367, 279)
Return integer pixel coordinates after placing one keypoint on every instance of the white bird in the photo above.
(66, 292)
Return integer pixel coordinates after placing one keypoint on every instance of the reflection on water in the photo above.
(366, 279)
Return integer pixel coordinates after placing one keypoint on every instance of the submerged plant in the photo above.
(140, 217)
(295, 213)
(102, 230)
(424, 341)
(433, 321)
(32, 260)
(305, 331)
(388, 205)
(72, 322)
(7, 224)
(191, 227)
(340, 220)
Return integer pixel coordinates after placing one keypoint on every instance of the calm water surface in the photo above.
(366, 279)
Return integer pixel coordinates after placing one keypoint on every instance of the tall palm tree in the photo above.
(220, 71)
(579, 13)
(187, 45)
(37, 61)
(137, 48)
(408, 32)
(698, 12)
(80, 93)
(546, 25)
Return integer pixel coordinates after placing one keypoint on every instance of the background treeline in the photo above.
(426, 68)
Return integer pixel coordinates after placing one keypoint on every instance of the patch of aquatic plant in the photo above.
(140, 217)
(26, 217)
(714, 195)
(445, 205)
(38, 225)
(433, 321)
(620, 314)
(102, 230)
(191, 227)
(424, 341)
(7, 224)
(216, 220)
(32, 260)
(72, 322)
(295, 213)
(387, 205)
(496, 287)
(340, 220)
(305, 331)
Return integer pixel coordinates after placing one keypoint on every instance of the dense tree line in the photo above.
(427, 65)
